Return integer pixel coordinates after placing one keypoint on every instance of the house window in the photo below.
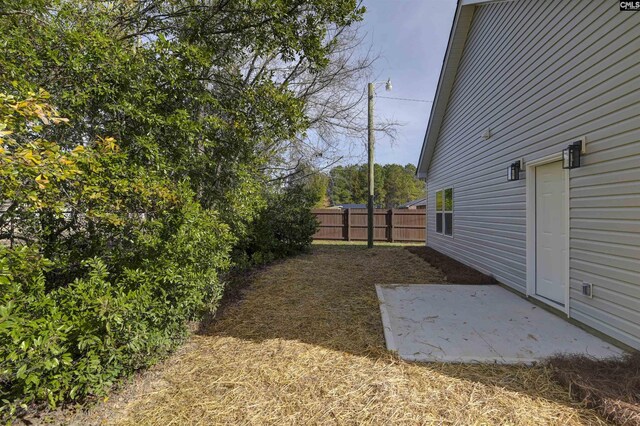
(444, 211)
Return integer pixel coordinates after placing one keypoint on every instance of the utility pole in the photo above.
(371, 170)
(371, 141)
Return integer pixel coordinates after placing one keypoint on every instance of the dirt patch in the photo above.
(454, 271)
(304, 345)
(611, 387)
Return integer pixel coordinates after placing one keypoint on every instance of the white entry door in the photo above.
(551, 232)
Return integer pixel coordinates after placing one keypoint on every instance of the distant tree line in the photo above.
(394, 185)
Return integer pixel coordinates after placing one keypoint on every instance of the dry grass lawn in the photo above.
(305, 346)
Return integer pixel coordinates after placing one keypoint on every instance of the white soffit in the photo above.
(457, 39)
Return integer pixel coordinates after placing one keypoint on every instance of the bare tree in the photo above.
(333, 92)
(335, 103)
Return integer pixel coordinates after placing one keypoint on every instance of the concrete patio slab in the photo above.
(472, 323)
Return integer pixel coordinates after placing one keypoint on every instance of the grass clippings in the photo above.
(304, 345)
(612, 387)
(454, 271)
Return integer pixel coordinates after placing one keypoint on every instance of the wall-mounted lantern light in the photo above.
(514, 171)
(571, 155)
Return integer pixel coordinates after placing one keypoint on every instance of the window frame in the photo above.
(443, 211)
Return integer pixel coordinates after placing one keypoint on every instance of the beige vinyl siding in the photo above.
(541, 74)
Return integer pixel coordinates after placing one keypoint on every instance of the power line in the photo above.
(405, 99)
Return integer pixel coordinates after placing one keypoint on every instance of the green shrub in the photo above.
(76, 340)
(102, 263)
(107, 247)
(285, 227)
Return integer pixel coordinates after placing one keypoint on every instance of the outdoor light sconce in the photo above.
(514, 171)
(571, 156)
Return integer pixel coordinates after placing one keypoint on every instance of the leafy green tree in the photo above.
(116, 224)
(394, 184)
(166, 80)
(347, 185)
(318, 186)
(380, 185)
(401, 185)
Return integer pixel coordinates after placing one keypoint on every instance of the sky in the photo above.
(411, 37)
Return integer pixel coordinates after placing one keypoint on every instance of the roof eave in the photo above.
(457, 39)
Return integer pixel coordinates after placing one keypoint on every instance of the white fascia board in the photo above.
(457, 39)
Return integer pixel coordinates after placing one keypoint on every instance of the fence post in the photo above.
(391, 225)
(348, 224)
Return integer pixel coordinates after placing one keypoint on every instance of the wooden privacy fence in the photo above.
(394, 225)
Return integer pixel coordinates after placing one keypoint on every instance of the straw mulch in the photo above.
(304, 345)
(612, 387)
